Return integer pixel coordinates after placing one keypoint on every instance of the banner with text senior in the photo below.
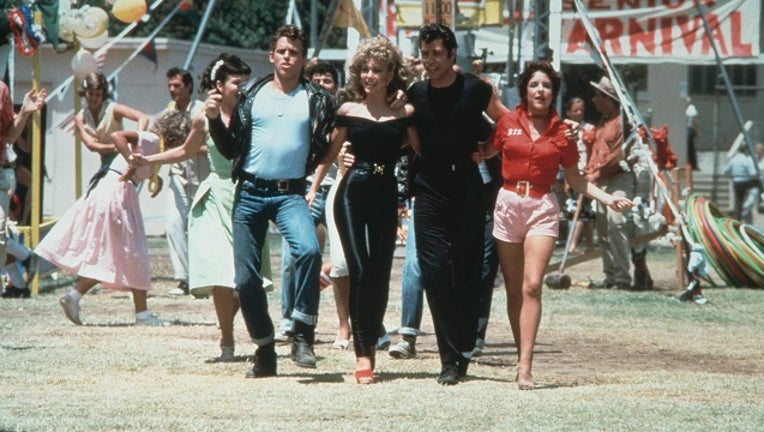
(664, 31)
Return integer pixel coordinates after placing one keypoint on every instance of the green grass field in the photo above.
(605, 361)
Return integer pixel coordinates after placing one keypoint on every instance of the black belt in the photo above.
(280, 186)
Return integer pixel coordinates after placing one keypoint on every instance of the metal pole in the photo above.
(327, 27)
(77, 145)
(438, 12)
(313, 23)
(36, 192)
(199, 34)
(730, 90)
(511, 34)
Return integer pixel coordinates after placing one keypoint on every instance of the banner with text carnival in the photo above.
(664, 31)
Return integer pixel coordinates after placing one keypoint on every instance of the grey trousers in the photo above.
(615, 230)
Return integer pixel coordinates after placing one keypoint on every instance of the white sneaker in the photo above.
(479, 346)
(71, 309)
(383, 342)
(403, 350)
(151, 321)
(268, 285)
(226, 353)
(282, 336)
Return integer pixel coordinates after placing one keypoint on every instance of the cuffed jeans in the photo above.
(411, 285)
(317, 213)
(253, 208)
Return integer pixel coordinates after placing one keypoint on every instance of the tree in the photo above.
(235, 23)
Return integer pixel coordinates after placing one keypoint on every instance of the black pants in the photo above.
(490, 267)
(366, 214)
(740, 190)
(449, 220)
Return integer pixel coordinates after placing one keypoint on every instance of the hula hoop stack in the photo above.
(734, 249)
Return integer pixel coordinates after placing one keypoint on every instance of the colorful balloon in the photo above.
(95, 42)
(83, 63)
(129, 11)
(92, 22)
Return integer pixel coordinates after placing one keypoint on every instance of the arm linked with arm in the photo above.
(192, 146)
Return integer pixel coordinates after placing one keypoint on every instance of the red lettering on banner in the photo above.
(610, 30)
(577, 37)
(716, 33)
(667, 46)
(736, 27)
(638, 34)
(689, 34)
(680, 34)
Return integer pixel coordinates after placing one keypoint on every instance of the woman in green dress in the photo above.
(210, 241)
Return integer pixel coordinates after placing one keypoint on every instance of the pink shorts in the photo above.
(516, 217)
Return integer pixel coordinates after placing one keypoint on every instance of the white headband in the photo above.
(215, 69)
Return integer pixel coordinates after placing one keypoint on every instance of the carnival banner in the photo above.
(651, 31)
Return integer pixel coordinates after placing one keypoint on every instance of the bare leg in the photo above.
(321, 234)
(139, 300)
(226, 306)
(523, 267)
(342, 301)
(84, 285)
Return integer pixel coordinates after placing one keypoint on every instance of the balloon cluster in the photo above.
(88, 27)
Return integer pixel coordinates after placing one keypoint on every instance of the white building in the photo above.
(140, 85)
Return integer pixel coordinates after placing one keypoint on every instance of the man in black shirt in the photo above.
(449, 212)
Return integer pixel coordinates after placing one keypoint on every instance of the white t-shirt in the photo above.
(691, 112)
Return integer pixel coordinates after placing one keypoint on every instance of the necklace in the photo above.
(281, 107)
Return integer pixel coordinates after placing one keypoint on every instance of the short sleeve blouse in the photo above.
(535, 161)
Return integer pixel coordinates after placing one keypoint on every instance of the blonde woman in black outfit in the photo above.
(366, 202)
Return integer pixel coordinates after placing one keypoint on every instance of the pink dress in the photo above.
(102, 236)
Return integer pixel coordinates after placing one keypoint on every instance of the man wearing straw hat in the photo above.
(607, 169)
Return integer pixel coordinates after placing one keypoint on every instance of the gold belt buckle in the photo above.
(525, 186)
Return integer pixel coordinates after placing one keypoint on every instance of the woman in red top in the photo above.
(533, 143)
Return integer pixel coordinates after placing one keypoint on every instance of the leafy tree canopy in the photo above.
(235, 23)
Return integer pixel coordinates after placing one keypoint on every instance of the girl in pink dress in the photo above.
(102, 237)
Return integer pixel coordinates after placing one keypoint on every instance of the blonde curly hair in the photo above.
(380, 49)
(173, 126)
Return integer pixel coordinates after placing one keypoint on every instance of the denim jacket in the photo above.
(234, 141)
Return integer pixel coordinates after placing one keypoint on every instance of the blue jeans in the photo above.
(252, 210)
(317, 213)
(487, 275)
(411, 286)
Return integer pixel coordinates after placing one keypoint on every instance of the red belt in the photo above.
(526, 189)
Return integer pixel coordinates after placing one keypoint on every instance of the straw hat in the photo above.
(606, 87)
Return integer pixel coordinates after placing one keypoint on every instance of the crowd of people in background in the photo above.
(410, 151)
